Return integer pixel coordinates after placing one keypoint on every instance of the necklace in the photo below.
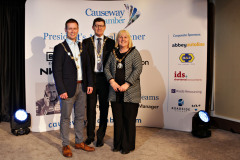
(120, 65)
(100, 52)
(75, 59)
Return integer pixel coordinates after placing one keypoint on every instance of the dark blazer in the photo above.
(65, 70)
(107, 49)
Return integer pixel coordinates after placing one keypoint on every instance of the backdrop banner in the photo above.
(171, 37)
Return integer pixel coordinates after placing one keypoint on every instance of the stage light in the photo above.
(201, 125)
(20, 122)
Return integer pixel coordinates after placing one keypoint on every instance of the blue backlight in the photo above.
(21, 115)
(204, 116)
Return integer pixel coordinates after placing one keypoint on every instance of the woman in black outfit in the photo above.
(123, 71)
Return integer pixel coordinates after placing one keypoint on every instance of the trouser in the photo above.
(124, 116)
(100, 89)
(79, 103)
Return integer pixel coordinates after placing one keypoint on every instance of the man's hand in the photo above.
(46, 100)
(89, 90)
(64, 95)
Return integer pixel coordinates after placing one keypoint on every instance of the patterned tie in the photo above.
(99, 64)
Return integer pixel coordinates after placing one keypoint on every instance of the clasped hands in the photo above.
(117, 87)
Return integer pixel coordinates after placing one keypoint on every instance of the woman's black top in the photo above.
(120, 74)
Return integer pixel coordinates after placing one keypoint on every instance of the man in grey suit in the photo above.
(73, 79)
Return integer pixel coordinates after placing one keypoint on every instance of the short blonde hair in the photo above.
(130, 45)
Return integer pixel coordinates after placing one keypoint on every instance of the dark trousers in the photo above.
(124, 116)
(100, 89)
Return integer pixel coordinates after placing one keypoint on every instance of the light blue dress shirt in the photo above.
(75, 51)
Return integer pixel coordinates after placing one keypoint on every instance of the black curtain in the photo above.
(12, 57)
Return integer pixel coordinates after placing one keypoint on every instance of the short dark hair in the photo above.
(98, 20)
(71, 20)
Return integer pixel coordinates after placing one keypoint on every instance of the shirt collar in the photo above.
(69, 42)
(96, 37)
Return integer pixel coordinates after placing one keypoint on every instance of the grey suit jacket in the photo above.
(133, 69)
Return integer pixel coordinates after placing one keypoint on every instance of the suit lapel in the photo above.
(104, 48)
(67, 47)
(69, 51)
(92, 51)
(81, 57)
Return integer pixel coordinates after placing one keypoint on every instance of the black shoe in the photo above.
(88, 141)
(99, 143)
(116, 150)
(125, 152)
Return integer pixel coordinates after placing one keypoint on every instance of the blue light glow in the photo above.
(21, 115)
(204, 116)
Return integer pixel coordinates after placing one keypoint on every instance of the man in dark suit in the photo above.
(73, 78)
(98, 47)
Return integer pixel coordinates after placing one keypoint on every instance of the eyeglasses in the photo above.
(99, 26)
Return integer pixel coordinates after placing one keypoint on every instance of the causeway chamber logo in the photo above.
(116, 16)
(133, 13)
(111, 17)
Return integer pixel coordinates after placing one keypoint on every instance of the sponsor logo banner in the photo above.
(186, 57)
(182, 76)
(185, 45)
(186, 91)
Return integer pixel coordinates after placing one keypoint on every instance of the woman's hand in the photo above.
(114, 85)
(124, 87)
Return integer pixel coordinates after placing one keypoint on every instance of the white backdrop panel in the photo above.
(168, 101)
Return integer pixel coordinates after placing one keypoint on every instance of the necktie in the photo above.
(99, 45)
(99, 62)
